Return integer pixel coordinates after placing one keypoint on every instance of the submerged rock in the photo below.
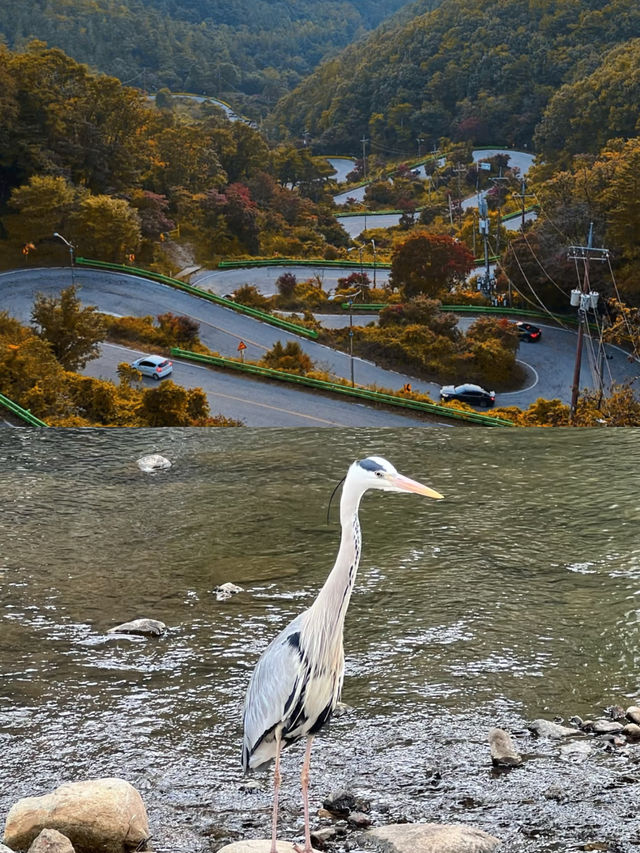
(576, 749)
(149, 627)
(545, 728)
(430, 838)
(614, 712)
(51, 841)
(153, 462)
(101, 814)
(226, 590)
(503, 750)
(342, 803)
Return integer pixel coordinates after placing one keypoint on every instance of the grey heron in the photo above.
(297, 681)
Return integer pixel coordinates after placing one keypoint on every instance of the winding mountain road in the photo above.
(549, 363)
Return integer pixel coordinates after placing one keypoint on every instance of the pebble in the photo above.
(359, 820)
(320, 837)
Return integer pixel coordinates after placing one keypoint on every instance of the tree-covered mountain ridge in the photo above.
(251, 51)
(468, 70)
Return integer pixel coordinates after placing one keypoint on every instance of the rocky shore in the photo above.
(108, 815)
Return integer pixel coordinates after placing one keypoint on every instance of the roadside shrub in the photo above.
(250, 296)
(290, 358)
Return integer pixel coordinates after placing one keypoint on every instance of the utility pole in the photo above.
(375, 262)
(364, 141)
(459, 170)
(486, 281)
(419, 140)
(522, 195)
(350, 299)
(583, 298)
(497, 184)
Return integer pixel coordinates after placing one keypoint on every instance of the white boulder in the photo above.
(153, 462)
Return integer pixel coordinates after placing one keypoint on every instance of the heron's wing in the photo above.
(275, 687)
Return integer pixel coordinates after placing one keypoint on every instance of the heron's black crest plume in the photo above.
(332, 496)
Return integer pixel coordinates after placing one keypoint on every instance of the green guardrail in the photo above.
(249, 263)
(23, 414)
(471, 309)
(194, 291)
(300, 262)
(344, 390)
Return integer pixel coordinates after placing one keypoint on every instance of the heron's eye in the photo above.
(379, 473)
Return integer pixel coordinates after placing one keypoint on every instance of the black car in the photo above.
(472, 394)
(528, 332)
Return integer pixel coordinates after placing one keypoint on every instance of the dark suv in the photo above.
(527, 332)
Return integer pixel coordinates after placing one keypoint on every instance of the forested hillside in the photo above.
(255, 48)
(82, 155)
(472, 70)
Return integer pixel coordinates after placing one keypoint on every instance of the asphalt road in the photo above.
(258, 403)
(255, 402)
(549, 363)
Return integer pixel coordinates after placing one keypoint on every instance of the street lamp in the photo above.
(350, 299)
(71, 250)
(359, 248)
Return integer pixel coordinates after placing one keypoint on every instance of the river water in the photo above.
(516, 597)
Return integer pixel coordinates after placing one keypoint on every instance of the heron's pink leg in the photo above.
(276, 790)
(304, 778)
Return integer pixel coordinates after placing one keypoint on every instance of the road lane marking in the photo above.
(275, 408)
(529, 387)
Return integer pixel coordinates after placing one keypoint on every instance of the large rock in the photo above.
(51, 841)
(150, 627)
(633, 713)
(153, 462)
(503, 750)
(430, 838)
(97, 816)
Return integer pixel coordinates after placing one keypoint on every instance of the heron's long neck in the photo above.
(333, 599)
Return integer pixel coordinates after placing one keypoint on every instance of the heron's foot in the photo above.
(306, 849)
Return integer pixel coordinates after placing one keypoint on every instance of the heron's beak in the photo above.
(407, 485)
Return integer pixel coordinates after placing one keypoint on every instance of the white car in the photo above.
(156, 366)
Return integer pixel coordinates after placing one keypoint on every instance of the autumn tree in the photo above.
(428, 263)
(42, 206)
(72, 332)
(105, 228)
